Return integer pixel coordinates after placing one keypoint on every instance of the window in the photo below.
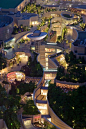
(46, 64)
(46, 59)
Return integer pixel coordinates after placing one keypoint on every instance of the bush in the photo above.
(71, 104)
(25, 87)
(30, 109)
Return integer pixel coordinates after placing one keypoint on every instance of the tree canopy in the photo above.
(70, 107)
(25, 87)
(30, 108)
(8, 108)
(3, 62)
(33, 68)
(75, 70)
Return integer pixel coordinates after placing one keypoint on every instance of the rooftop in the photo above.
(28, 15)
(6, 4)
(51, 5)
(5, 20)
(37, 36)
(81, 6)
(81, 40)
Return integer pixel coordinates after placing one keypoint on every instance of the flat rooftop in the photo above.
(27, 15)
(6, 4)
(81, 40)
(81, 6)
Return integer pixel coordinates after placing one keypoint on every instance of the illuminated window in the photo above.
(49, 50)
(46, 68)
(46, 64)
(46, 59)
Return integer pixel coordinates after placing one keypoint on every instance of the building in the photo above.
(12, 5)
(79, 45)
(27, 19)
(6, 27)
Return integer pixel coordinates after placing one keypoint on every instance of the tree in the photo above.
(30, 109)
(64, 31)
(3, 62)
(72, 103)
(25, 87)
(8, 108)
(83, 26)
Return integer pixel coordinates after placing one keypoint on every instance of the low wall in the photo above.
(56, 120)
(64, 84)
